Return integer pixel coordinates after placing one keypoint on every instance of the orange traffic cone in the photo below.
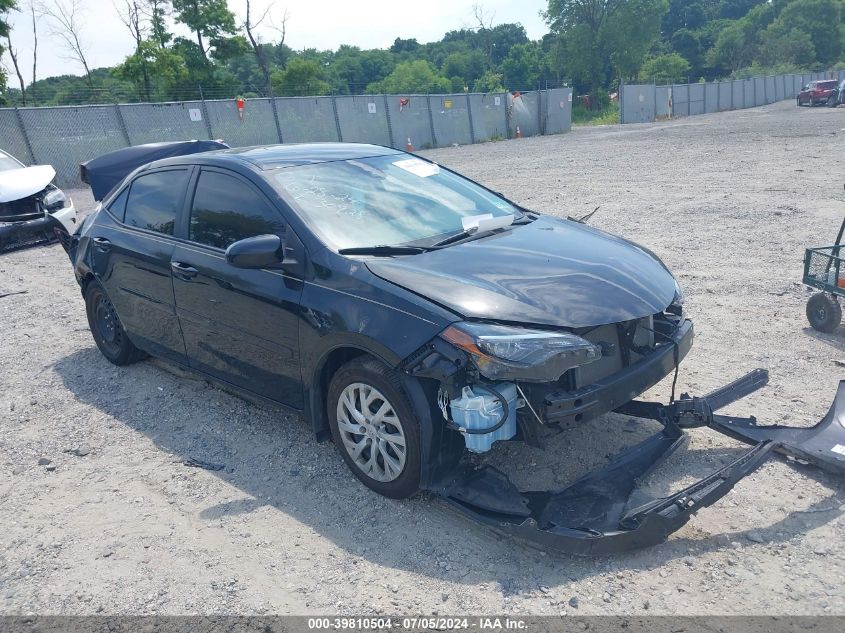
(409, 147)
(518, 133)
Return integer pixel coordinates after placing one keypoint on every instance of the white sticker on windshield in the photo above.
(418, 167)
(838, 449)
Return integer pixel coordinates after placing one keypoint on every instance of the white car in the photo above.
(31, 206)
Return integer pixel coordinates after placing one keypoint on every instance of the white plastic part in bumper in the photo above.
(67, 216)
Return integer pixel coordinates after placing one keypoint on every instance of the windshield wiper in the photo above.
(476, 226)
(457, 237)
(383, 250)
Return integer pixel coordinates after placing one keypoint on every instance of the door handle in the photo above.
(102, 244)
(183, 271)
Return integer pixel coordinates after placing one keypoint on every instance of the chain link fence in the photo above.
(68, 135)
(644, 103)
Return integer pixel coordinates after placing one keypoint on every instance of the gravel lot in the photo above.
(115, 523)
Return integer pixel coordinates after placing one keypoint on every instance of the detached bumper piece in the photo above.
(18, 235)
(822, 445)
(595, 515)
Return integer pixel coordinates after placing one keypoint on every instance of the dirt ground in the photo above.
(116, 523)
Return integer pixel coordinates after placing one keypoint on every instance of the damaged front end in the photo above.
(599, 513)
(40, 218)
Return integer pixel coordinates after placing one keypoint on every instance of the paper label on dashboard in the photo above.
(418, 167)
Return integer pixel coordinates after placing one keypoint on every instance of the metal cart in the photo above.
(823, 270)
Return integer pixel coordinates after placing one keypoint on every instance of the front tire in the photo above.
(824, 312)
(108, 332)
(374, 427)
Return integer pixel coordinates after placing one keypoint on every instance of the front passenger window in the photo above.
(226, 210)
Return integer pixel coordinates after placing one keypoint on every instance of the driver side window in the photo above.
(226, 209)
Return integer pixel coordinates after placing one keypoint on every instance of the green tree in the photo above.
(730, 51)
(5, 7)
(302, 77)
(209, 20)
(167, 68)
(158, 11)
(411, 77)
(522, 67)
(633, 30)
(351, 70)
(405, 46)
(688, 45)
(684, 14)
(735, 9)
(503, 37)
(604, 38)
(737, 43)
(226, 48)
(665, 68)
(376, 65)
(820, 20)
(489, 82)
(467, 64)
(783, 45)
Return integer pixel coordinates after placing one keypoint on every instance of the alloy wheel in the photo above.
(371, 432)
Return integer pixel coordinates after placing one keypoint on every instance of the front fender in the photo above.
(335, 318)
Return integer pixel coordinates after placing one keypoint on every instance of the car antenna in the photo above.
(584, 218)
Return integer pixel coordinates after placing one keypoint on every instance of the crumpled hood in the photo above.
(20, 183)
(550, 272)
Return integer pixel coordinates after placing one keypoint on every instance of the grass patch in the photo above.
(606, 116)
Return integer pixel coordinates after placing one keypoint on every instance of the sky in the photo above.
(322, 24)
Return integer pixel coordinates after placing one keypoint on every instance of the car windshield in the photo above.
(385, 200)
(7, 162)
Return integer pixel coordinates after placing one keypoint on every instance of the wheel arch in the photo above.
(86, 280)
(440, 448)
(332, 360)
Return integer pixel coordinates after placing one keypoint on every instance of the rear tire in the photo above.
(824, 312)
(374, 427)
(108, 332)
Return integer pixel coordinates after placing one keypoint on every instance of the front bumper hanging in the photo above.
(595, 515)
(18, 235)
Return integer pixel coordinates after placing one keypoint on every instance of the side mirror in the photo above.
(261, 251)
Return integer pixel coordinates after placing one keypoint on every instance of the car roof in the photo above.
(267, 157)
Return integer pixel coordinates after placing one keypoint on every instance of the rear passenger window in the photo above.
(118, 206)
(226, 210)
(154, 199)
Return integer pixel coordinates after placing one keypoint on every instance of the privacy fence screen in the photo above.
(644, 103)
(68, 135)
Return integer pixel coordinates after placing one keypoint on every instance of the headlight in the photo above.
(677, 305)
(679, 298)
(511, 353)
(54, 200)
